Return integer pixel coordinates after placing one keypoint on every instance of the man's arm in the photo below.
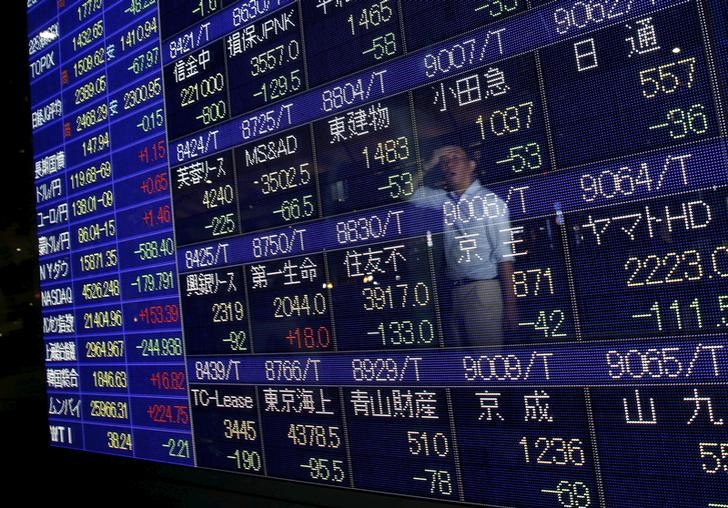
(504, 253)
(423, 196)
(428, 166)
(510, 311)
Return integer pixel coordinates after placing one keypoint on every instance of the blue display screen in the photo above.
(472, 251)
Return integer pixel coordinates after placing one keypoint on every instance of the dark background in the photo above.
(22, 415)
(38, 472)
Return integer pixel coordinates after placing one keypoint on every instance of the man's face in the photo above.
(458, 169)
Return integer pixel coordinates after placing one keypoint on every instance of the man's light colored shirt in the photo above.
(476, 230)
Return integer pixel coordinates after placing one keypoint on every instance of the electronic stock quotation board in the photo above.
(255, 255)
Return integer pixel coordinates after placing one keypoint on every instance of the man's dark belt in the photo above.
(464, 282)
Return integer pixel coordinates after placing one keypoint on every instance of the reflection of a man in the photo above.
(477, 253)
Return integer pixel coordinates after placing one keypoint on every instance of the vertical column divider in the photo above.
(182, 334)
